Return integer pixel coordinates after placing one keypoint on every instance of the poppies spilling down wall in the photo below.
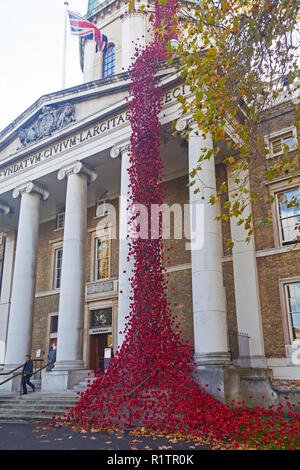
(151, 381)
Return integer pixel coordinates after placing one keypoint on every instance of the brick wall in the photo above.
(176, 192)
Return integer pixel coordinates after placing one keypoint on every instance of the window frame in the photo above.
(289, 313)
(51, 337)
(92, 310)
(58, 215)
(96, 260)
(286, 319)
(276, 135)
(106, 67)
(276, 188)
(99, 203)
(279, 218)
(55, 269)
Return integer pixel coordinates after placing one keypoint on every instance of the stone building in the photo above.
(64, 276)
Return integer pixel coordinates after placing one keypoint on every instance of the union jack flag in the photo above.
(85, 29)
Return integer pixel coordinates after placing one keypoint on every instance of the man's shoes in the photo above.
(24, 393)
(34, 390)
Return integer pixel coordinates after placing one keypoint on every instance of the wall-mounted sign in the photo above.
(99, 287)
(107, 353)
(98, 331)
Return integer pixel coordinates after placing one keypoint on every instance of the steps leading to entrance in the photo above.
(83, 384)
(29, 407)
(40, 406)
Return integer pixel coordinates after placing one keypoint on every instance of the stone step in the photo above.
(19, 417)
(35, 406)
(29, 402)
(286, 372)
(83, 384)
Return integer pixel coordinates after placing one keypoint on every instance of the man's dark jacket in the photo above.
(28, 368)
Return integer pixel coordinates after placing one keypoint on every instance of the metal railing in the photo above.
(239, 348)
(35, 372)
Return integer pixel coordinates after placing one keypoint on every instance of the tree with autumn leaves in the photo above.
(239, 57)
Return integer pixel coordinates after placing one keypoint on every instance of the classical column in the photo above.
(6, 285)
(133, 35)
(125, 262)
(72, 290)
(23, 288)
(209, 301)
(245, 274)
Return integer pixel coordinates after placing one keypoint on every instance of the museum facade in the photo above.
(64, 189)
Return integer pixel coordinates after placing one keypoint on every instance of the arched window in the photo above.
(109, 62)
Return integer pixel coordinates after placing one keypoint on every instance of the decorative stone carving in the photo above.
(30, 187)
(77, 168)
(118, 149)
(50, 120)
(182, 123)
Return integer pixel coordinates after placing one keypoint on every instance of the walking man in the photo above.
(27, 373)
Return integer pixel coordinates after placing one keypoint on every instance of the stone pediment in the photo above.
(60, 112)
(50, 120)
(72, 113)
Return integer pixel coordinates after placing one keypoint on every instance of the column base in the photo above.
(62, 380)
(258, 362)
(68, 365)
(213, 359)
(230, 382)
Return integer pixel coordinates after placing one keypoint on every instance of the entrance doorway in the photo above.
(98, 343)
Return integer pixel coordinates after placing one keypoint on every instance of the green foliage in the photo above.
(234, 55)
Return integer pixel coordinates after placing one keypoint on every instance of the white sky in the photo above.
(31, 52)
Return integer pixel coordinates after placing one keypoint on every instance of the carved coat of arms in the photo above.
(50, 119)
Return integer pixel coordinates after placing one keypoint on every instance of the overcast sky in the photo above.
(31, 52)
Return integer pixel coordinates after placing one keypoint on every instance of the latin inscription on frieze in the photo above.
(46, 121)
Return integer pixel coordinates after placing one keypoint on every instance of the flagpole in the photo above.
(65, 47)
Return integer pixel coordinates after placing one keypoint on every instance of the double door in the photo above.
(98, 343)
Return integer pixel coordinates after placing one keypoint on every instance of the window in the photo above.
(60, 220)
(101, 209)
(53, 324)
(289, 215)
(57, 267)
(109, 62)
(102, 258)
(92, 4)
(293, 301)
(276, 141)
(53, 329)
(101, 318)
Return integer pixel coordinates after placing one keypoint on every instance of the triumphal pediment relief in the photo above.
(49, 120)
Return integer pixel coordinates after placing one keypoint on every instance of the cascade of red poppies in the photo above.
(151, 380)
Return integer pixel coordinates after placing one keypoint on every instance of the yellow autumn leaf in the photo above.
(131, 5)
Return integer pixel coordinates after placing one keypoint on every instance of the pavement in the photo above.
(22, 436)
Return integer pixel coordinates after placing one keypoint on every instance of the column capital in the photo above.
(183, 122)
(4, 208)
(30, 187)
(118, 149)
(77, 168)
